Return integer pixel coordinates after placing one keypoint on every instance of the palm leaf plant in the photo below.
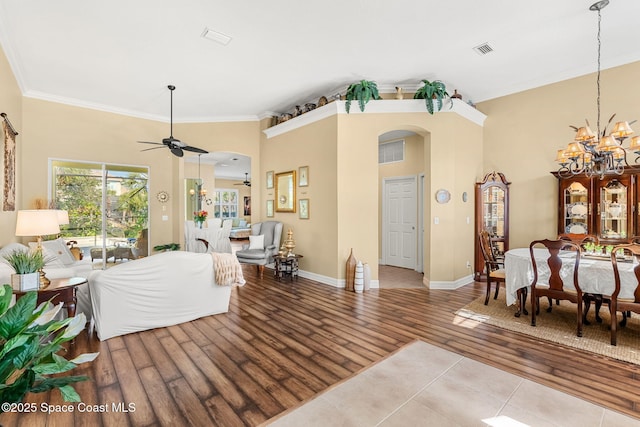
(430, 91)
(362, 91)
(30, 339)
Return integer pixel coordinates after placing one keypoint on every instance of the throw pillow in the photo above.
(8, 249)
(256, 242)
(59, 248)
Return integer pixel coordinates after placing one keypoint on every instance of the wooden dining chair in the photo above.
(494, 267)
(553, 286)
(628, 304)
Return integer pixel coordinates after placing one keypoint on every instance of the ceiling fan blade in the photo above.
(148, 142)
(152, 148)
(195, 149)
(177, 151)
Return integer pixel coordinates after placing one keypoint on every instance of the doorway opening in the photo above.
(401, 171)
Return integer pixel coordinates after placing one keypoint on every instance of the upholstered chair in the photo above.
(264, 243)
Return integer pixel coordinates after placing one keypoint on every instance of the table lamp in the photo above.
(38, 223)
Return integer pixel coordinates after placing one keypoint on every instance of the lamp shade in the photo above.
(585, 134)
(63, 216)
(37, 222)
(621, 130)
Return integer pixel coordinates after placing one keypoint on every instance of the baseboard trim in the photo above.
(434, 284)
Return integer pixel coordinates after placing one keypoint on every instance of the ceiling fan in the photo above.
(246, 180)
(175, 145)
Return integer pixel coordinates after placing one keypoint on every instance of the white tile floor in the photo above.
(424, 385)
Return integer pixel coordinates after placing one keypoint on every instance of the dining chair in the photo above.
(554, 286)
(494, 267)
(627, 304)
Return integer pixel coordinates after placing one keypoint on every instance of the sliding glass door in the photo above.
(108, 207)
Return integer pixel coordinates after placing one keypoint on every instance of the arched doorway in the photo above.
(401, 174)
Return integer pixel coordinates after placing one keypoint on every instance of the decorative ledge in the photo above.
(375, 107)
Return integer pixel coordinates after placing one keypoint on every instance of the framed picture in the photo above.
(247, 205)
(286, 191)
(270, 179)
(303, 176)
(269, 208)
(304, 208)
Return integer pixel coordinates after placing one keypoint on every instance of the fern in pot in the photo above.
(362, 91)
(430, 92)
(27, 265)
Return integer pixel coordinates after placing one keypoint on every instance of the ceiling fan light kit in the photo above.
(176, 146)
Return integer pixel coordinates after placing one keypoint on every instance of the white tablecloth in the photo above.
(594, 276)
(206, 233)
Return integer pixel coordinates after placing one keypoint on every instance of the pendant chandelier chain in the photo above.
(598, 74)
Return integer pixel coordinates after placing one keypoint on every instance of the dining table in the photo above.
(595, 272)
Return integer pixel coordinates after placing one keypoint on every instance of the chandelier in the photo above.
(199, 193)
(598, 153)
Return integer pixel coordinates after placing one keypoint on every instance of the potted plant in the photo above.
(30, 339)
(26, 264)
(167, 247)
(430, 91)
(362, 91)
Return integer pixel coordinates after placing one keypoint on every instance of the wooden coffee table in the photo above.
(61, 290)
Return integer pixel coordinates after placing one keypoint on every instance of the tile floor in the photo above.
(395, 277)
(424, 385)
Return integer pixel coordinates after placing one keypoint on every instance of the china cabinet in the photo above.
(604, 207)
(491, 214)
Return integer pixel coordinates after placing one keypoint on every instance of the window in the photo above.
(390, 152)
(225, 203)
(107, 204)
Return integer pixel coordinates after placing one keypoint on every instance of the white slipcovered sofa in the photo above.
(157, 291)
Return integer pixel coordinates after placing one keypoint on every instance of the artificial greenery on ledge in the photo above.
(30, 339)
(432, 91)
(362, 91)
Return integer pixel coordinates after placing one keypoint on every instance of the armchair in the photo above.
(261, 250)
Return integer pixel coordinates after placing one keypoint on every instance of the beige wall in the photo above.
(60, 131)
(523, 131)
(342, 154)
(11, 104)
(313, 146)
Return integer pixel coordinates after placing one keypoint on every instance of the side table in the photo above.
(61, 290)
(286, 266)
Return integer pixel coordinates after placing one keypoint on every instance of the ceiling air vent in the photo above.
(483, 49)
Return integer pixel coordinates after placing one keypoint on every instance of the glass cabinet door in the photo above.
(576, 209)
(613, 209)
(494, 215)
(491, 214)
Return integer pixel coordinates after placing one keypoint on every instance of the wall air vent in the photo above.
(483, 49)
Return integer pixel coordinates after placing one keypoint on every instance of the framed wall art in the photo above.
(269, 208)
(303, 208)
(286, 191)
(269, 179)
(303, 176)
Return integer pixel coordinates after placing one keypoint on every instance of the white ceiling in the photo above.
(120, 55)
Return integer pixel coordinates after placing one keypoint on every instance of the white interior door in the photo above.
(399, 222)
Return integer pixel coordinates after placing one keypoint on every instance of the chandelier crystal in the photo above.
(598, 153)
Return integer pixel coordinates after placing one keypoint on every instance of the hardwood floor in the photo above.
(283, 342)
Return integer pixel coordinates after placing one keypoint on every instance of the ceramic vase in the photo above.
(358, 282)
(350, 271)
(367, 276)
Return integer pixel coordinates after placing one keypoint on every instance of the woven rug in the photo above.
(559, 326)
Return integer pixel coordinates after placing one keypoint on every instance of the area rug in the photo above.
(559, 326)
